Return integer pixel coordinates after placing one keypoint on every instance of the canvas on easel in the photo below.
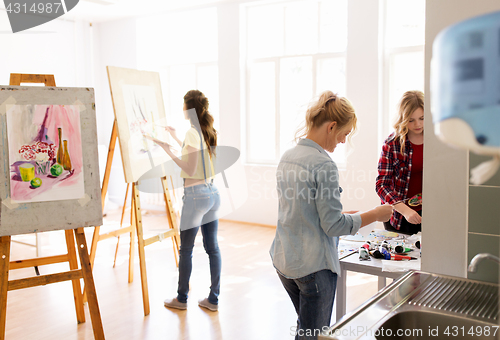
(70, 198)
(38, 187)
(139, 108)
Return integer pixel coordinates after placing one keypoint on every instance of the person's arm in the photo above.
(327, 198)
(381, 213)
(173, 133)
(332, 220)
(188, 167)
(410, 215)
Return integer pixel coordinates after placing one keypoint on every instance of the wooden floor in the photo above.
(253, 304)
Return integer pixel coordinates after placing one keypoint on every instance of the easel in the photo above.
(136, 220)
(74, 274)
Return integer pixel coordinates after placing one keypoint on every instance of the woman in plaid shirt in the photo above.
(400, 165)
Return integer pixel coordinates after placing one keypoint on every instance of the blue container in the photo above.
(465, 84)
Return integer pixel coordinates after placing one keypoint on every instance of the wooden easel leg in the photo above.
(172, 219)
(131, 252)
(73, 264)
(93, 246)
(4, 281)
(121, 222)
(177, 212)
(95, 315)
(140, 242)
(176, 256)
(93, 249)
(104, 190)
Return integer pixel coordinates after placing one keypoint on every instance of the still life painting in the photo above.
(45, 153)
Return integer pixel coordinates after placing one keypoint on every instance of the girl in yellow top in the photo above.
(201, 199)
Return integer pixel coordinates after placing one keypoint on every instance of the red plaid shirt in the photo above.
(394, 170)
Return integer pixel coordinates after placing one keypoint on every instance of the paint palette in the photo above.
(415, 200)
(375, 235)
(385, 234)
(356, 238)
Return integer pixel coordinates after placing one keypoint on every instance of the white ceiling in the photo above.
(107, 10)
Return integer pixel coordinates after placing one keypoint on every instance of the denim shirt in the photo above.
(310, 213)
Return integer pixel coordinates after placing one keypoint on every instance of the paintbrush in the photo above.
(413, 201)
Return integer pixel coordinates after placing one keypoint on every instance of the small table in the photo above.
(351, 262)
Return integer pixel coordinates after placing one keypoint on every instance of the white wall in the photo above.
(445, 186)
(58, 47)
(114, 45)
(362, 75)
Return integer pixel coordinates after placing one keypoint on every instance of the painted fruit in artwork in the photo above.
(56, 170)
(36, 182)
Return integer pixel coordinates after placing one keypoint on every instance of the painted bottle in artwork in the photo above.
(42, 132)
(60, 150)
(42, 149)
(66, 160)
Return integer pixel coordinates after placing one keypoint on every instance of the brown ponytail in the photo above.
(203, 120)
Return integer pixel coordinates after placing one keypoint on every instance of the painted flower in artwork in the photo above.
(42, 157)
(39, 151)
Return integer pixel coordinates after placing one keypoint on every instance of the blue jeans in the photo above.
(201, 203)
(312, 296)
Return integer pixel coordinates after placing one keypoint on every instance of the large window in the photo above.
(183, 47)
(404, 37)
(293, 51)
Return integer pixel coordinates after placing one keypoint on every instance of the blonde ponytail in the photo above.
(328, 108)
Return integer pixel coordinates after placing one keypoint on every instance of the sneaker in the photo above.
(174, 303)
(205, 304)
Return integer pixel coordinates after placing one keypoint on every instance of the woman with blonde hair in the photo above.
(310, 217)
(399, 180)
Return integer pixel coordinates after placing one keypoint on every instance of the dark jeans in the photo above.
(209, 231)
(406, 227)
(312, 296)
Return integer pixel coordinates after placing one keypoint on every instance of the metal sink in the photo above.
(422, 305)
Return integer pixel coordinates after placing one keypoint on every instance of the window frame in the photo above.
(388, 55)
(247, 63)
(167, 94)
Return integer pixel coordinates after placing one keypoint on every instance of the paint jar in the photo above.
(27, 171)
(363, 254)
